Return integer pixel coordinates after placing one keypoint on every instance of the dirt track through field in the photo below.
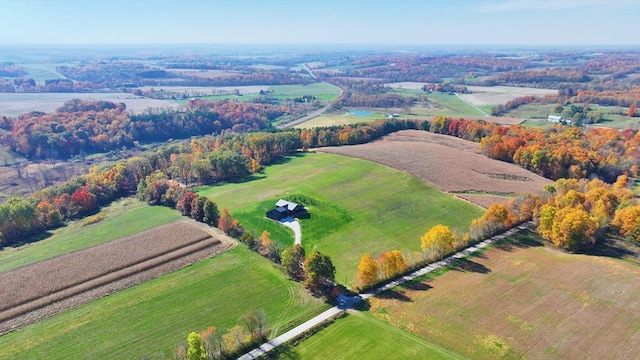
(449, 163)
(36, 291)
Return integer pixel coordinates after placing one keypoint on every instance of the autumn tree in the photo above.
(195, 351)
(627, 220)
(438, 240)
(573, 228)
(320, 273)
(392, 263)
(256, 324)
(293, 262)
(225, 223)
(368, 271)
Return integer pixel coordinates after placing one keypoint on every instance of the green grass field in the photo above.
(124, 217)
(158, 314)
(323, 91)
(360, 207)
(362, 336)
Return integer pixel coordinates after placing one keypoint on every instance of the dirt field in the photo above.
(525, 301)
(210, 90)
(13, 104)
(35, 291)
(451, 164)
(205, 74)
(492, 95)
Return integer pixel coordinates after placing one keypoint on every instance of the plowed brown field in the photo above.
(524, 300)
(35, 291)
(451, 164)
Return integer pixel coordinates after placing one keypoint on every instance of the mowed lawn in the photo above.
(122, 218)
(524, 300)
(359, 207)
(362, 336)
(156, 315)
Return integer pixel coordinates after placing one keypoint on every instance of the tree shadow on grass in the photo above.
(466, 265)
(614, 247)
(32, 239)
(394, 295)
(520, 240)
(417, 286)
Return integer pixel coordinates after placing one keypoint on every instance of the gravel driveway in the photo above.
(295, 226)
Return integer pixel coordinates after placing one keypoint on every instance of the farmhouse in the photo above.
(286, 209)
(554, 118)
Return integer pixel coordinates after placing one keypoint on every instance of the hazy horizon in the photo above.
(355, 22)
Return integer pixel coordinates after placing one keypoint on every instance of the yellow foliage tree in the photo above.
(628, 221)
(392, 263)
(572, 228)
(368, 270)
(439, 240)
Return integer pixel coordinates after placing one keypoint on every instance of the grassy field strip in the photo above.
(334, 311)
(360, 335)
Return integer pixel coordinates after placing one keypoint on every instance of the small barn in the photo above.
(284, 209)
(554, 118)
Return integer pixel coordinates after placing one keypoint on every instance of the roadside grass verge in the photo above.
(156, 315)
(361, 335)
(362, 207)
(122, 218)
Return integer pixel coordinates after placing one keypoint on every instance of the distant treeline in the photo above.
(81, 126)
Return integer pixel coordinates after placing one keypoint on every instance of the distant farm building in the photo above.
(554, 118)
(285, 209)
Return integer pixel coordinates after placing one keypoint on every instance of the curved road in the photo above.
(346, 302)
(294, 225)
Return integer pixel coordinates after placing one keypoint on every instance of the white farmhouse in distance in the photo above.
(554, 118)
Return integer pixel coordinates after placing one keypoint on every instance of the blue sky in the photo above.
(415, 22)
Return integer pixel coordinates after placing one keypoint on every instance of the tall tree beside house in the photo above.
(293, 262)
(321, 273)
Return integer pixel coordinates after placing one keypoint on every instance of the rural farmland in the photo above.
(431, 157)
(68, 280)
(184, 180)
(523, 299)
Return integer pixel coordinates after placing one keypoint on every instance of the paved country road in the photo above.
(346, 302)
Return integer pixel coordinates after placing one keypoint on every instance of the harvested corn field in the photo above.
(451, 164)
(33, 292)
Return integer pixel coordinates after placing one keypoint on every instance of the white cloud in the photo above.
(523, 5)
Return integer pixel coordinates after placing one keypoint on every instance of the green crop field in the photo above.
(158, 314)
(362, 336)
(122, 218)
(360, 206)
(322, 90)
